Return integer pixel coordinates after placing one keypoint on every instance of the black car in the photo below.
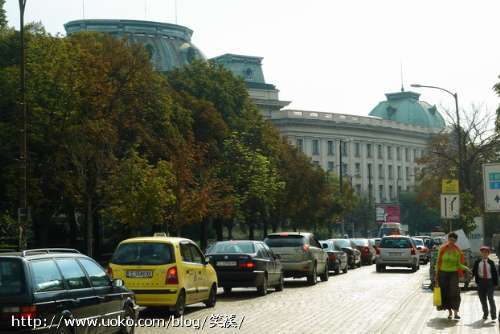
(353, 255)
(246, 263)
(337, 258)
(49, 287)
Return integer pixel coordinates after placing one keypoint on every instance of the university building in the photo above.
(378, 152)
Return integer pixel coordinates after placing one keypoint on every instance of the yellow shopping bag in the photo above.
(437, 296)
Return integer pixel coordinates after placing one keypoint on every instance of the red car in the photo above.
(368, 253)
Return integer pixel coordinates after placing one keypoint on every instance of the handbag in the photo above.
(437, 296)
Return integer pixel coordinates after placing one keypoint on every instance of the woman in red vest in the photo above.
(449, 268)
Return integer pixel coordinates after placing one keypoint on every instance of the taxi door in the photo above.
(201, 276)
(189, 272)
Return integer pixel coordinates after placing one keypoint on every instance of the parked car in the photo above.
(165, 271)
(423, 252)
(246, 263)
(337, 258)
(53, 284)
(300, 255)
(368, 253)
(353, 255)
(397, 251)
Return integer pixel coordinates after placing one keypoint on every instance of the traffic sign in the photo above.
(449, 186)
(450, 206)
(491, 185)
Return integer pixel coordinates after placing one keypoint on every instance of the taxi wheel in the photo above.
(128, 313)
(212, 297)
(180, 306)
(262, 290)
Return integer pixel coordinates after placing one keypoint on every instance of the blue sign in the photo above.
(495, 185)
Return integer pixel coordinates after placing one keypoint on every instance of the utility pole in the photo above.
(22, 212)
(370, 190)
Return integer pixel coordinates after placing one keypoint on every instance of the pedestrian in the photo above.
(449, 268)
(485, 273)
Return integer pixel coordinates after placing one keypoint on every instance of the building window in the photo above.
(407, 172)
(345, 168)
(316, 163)
(357, 171)
(331, 166)
(369, 170)
(344, 148)
(379, 152)
(398, 153)
(391, 192)
(391, 174)
(381, 193)
(380, 171)
(315, 144)
(368, 151)
(407, 154)
(389, 152)
(358, 189)
(399, 172)
(331, 147)
(300, 144)
(356, 150)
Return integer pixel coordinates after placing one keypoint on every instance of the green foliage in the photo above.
(3, 15)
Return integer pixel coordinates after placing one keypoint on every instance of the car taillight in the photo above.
(413, 252)
(332, 257)
(110, 272)
(305, 248)
(20, 312)
(366, 250)
(377, 250)
(172, 277)
(248, 265)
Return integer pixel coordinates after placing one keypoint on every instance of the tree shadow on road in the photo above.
(441, 323)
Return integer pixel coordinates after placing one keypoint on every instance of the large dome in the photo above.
(405, 107)
(168, 44)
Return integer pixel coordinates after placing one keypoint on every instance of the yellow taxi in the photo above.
(165, 271)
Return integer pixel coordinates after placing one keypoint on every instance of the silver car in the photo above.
(301, 255)
(397, 251)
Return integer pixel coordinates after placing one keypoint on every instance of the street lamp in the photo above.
(458, 128)
(22, 214)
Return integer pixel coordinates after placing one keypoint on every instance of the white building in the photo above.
(379, 152)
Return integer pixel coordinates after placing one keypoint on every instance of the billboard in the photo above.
(388, 213)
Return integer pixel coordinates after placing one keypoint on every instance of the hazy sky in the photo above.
(328, 55)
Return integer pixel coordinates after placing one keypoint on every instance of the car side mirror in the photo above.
(206, 261)
(117, 283)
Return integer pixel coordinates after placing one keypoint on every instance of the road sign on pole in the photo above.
(449, 186)
(491, 184)
(450, 206)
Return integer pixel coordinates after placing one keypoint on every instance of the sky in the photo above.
(328, 55)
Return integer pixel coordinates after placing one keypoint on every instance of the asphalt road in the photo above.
(361, 301)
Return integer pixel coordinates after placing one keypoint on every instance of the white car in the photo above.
(397, 251)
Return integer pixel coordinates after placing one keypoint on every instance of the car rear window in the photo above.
(418, 242)
(233, 247)
(11, 277)
(144, 253)
(395, 243)
(285, 240)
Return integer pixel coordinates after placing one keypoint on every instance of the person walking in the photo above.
(449, 268)
(486, 276)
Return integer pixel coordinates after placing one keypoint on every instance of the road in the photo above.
(361, 301)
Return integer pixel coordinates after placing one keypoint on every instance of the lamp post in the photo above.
(458, 129)
(22, 214)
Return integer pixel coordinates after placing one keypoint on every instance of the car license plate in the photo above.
(139, 274)
(395, 254)
(226, 263)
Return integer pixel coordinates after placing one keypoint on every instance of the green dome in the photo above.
(169, 45)
(405, 107)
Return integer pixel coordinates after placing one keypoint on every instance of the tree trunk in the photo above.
(218, 229)
(73, 228)
(204, 234)
(264, 228)
(89, 227)
(251, 231)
